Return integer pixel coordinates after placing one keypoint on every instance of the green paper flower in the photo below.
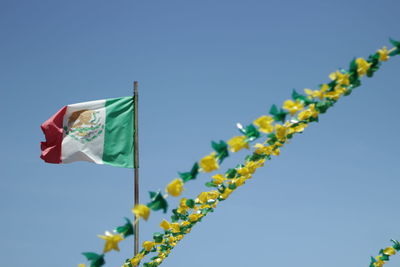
(231, 173)
(126, 229)
(158, 237)
(158, 202)
(221, 149)
(397, 45)
(278, 114)
(396, 245)
(250, 131)
(191, 175)
(95, 259)
(303, 98)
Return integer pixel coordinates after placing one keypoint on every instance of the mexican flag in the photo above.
(97, 131)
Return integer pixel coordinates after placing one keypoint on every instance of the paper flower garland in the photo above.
(384, 254)
(302, 110)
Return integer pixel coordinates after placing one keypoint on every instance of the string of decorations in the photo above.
(343, 82)
(278, 130)
(384, 254)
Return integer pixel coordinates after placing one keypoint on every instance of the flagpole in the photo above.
(136, 161)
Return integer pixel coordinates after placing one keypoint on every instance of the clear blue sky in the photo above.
(331, 199)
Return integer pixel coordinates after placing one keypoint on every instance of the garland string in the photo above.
(191, 211)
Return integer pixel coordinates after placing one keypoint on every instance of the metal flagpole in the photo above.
(136, 161)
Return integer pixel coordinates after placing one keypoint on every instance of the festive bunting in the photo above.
(384, 254)
(301, 110)
(307, 107)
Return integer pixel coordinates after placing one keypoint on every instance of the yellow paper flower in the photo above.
(165, 225)
(81, 265)
(264, 123)
(304, 115)
(185, 223)
(261, 149)
(292, 106)
(276, 151)
(175, 188)
(205, 206)
(308, 113)
(218, 179)
(260, 163)
(111, 241)
(237, 143)
(213, 195)
(379, 263)
(340, 89)
(238, 181)
(136, 260)
(182, 206)
(389, 251)
(148, 245)
(226, 193)
(195, 217)
(202, 197)
(141, 211)
(253, 165)
(243, 171)
(317, 93)
(181, 210)
(267, 150)
(362, 66)
(175, 227)
(340, 78)
(182, 203)
(383, 54)
(162, 255)
(337, 93)
(278, 144)
(297, 129)
(281, 132)
(209, 163)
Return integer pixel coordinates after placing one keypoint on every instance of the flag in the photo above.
(97, 131)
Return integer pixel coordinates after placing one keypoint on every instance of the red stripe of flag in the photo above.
(53, 131)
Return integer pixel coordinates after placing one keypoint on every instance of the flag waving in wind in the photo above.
(97, 131)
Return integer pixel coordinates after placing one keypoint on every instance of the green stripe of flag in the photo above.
(118, 136)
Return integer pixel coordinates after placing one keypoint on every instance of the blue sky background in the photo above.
(331, 199)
